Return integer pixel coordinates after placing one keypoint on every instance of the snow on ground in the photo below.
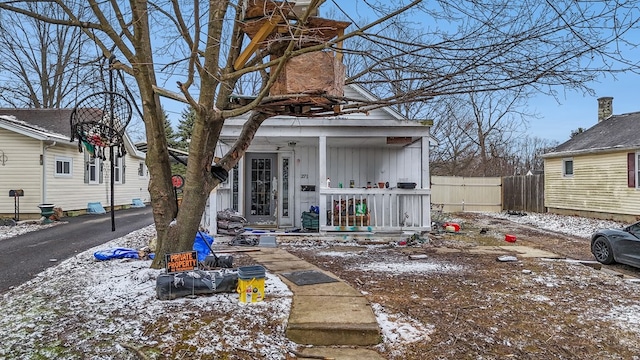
(23, 228)
(83, 307)
(570, 225)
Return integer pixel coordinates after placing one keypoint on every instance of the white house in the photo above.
(37, 157)
(336, 164)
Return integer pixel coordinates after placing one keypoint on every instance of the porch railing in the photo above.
(375, 209)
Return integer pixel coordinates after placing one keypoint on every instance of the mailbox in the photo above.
(16, 193)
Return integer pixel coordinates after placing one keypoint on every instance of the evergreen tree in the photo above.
(185, 127)
(172, 136)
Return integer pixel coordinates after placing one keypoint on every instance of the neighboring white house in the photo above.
(37, 156)
(295, 163)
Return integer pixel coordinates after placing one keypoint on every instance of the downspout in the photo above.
(44, 171)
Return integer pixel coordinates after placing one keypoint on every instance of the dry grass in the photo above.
(484, 309)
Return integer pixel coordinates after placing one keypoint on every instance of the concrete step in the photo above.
(322, 314)
(338, 353)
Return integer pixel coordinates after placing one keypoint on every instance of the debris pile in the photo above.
(230, 222)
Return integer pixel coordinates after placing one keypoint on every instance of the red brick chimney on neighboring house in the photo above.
(605, 107)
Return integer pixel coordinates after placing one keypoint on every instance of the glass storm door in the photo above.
(261, 188)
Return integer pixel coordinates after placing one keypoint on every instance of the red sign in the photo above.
(177, 181)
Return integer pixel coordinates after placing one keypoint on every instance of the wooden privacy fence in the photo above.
(455, 193)
(523, 193)
(490, 194)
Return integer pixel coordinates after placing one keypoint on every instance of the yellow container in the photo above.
(251, 284)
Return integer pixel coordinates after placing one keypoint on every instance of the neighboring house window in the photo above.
(142, 170)
(637, 172)
(567, 167)
(118, 170)
(64, 166)
(93, 170)
(633, 162)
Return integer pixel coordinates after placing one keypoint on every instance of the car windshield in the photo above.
(635, 229)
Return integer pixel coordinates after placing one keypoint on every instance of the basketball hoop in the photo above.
(99, 121)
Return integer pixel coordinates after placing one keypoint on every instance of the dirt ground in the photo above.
(481, 308)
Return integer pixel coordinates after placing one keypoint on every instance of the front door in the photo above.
(261, 188)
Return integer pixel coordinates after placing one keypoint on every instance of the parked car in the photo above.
(617, 245)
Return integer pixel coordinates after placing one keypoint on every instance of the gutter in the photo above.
(44, 170)
(591, 151)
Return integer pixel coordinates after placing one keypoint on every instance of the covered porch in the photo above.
(323, 173)
(396, 199)
(330, 184)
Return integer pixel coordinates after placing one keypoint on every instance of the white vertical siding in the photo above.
(20, 169)
(386, 164)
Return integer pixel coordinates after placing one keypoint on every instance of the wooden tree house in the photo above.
(309, 84)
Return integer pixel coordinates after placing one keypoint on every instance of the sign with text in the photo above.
(179, 262)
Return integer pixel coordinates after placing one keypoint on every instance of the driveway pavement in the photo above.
(24, 256)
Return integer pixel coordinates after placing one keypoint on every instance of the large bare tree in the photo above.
(44, 65)
(492, 45)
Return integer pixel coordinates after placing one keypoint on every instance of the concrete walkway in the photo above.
(333, 317)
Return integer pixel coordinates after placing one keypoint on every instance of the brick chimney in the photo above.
(605, 107)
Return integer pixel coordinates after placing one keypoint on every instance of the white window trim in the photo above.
(118, 169)
(564, 167)
(96, 164)
(63, 159)
(145, 171)
(637, 172)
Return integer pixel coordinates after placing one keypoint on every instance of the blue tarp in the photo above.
(116, 253)
(200, 246)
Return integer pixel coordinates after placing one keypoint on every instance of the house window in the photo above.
(118, 170)
(93, 169)
(235, 188)
(567, 167)
(64, 166)
(142, 170)
(637, 172)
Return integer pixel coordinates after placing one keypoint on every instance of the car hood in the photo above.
(609, 232)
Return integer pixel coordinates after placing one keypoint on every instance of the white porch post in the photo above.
(426, 182)
(425, 179)
(322, 173)
(213, 212)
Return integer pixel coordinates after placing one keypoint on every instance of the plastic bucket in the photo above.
(251, 284)
(510, 238)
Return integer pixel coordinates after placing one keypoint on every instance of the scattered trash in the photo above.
(451, 226)
(418, 257)
(484, 231)
(244, 241)
(507, 258)
(510, 238)
(517, 213)
(53, 260)
(525, 271)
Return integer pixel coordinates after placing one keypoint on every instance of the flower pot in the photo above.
(46, 210)
(381, 185)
